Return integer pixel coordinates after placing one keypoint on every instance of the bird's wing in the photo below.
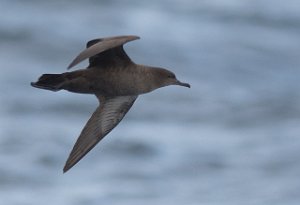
(104, 50)
(110, 112)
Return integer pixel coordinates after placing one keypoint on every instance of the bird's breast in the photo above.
(111, 83)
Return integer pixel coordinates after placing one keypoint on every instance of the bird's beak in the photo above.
(182, 84)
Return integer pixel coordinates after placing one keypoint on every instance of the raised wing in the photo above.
(110, 112)
(113, 46)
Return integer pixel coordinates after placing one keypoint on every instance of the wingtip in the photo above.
(73, 63)
(64, 171)
(70, 66)
(66, 168)
(135, 37)
(70, 163)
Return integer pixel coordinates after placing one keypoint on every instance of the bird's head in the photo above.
(164, 77)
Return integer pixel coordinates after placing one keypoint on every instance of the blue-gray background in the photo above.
(233, 138)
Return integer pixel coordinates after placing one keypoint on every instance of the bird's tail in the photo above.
(52, 82)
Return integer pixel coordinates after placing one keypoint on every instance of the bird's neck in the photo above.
(149, 78)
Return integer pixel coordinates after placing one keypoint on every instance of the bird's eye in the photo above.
(171, 76)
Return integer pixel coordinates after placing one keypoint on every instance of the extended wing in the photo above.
(104, 51)
(110, 112)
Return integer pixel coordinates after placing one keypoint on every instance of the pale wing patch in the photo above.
(101, 46)
(110, 112)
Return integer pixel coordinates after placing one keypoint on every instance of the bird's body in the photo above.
(103, 81)
(114, 79)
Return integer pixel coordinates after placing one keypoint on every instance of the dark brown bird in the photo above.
(115, 80)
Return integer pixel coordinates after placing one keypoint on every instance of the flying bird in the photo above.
(114, 79)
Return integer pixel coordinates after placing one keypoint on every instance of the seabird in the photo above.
(115, 80)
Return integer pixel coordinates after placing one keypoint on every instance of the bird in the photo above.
(114, 79)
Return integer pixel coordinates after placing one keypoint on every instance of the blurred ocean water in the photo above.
(233, 138)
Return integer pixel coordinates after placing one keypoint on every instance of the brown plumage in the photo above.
(116, 81)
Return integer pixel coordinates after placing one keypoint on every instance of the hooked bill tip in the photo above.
(183, 84)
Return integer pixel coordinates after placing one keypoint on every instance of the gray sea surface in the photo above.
(233, 138)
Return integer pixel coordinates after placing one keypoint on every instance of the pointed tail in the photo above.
(50, 82)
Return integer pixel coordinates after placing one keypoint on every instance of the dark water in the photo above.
(233, 138)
